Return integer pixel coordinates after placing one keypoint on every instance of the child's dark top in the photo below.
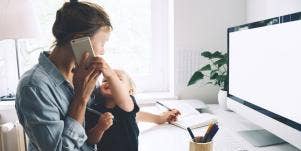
(123, 134)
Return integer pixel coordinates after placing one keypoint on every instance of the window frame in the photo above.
(163, 46)
(160, 82)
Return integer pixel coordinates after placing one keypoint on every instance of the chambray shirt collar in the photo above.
(51, 69)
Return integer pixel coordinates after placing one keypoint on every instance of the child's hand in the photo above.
(169, 116)
(101, 64)
(105, 121)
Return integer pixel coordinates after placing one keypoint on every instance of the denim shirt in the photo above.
(42, 102)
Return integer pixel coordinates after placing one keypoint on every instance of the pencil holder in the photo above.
(193, 146)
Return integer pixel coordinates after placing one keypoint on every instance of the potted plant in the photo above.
(216, 72)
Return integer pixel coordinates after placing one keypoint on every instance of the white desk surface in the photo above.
(170, 138)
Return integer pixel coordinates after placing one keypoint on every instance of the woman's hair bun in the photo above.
(73, 1)
(77, 19)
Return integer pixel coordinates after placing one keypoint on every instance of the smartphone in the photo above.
(80, 46)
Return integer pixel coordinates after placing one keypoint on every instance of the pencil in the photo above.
(190, 133)
(93, 111)
(169, 109)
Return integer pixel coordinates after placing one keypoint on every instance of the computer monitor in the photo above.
(265, 77)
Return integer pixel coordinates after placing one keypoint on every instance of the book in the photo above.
(189, 117)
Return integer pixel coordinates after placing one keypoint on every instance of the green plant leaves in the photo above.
(222, 77)
(217, 54)
(210, 55)
(220, 62)
(195, 77)
(206, 68)
(214, 76)
(206, 54)
(217, 75)
(213, 72)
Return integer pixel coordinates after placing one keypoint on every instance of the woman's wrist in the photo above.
(81, 99)
(77, 110)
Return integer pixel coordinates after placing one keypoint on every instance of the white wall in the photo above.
(201, 25)
(264, 9)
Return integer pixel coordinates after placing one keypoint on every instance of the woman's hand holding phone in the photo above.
(85, 78)
(84, 81)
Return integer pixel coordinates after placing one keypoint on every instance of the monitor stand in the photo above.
(260, 138)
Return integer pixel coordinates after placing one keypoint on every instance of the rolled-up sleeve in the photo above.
(44, 124)
(74, 132)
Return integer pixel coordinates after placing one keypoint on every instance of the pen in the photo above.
(169, 109)
(93, 111)
(207, 132)
(97, 113)
(211, 133)
(190, 133)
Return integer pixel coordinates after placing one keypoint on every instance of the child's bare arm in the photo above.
(147, 117)
(169, 116)
(95, 133)
(118, 89)
(120, 94)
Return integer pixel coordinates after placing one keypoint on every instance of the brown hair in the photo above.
(78, 19)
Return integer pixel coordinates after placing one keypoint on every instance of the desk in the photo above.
(167, 137)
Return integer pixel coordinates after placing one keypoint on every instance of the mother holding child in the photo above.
(53, 96)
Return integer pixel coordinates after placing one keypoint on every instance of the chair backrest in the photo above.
(12, 137)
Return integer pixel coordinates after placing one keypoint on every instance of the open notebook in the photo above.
(189, 117)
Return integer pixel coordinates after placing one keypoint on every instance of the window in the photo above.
(140, 43)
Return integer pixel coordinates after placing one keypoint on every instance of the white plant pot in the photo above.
(222, 99)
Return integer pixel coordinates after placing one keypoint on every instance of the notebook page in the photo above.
(183, 107)
(196, 120)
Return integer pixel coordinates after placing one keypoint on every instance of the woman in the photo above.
(52, 96)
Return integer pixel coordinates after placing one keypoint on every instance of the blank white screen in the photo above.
(265, 68)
